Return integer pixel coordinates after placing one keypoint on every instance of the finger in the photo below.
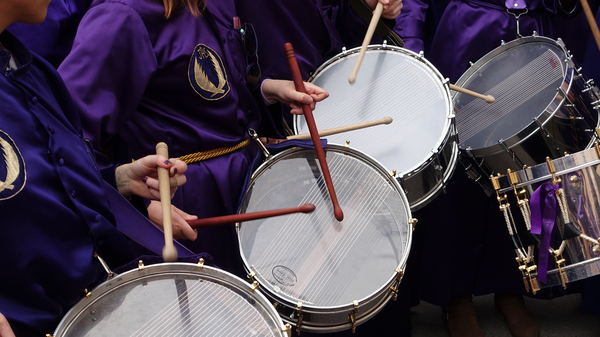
(178, 167)
(186, 230)
(177, 181)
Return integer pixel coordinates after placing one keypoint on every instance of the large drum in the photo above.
(325, 275)
(579, 176)
(544, 107)
(419, 144)
(173, 299)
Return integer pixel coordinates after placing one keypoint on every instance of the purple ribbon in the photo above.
(543, 216)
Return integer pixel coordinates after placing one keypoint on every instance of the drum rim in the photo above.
(378, 291)
(545, 115)
(540, 172)
(209, 273)
(449, 124)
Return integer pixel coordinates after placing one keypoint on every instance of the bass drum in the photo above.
(325, 275)
(173, 299)
(544, 107)
(419, 144)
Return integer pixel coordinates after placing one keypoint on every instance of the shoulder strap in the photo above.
(382, 30)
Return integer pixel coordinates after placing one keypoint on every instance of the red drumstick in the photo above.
(228, 219)
(312, 127)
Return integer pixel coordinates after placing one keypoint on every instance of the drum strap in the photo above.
(382, 30)
(209, 154)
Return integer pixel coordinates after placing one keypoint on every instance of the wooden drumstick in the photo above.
(592, 21)
(347, 128)
(169, 251)
(366, 41)
(487, 98)
(312, 127)
(229, 219)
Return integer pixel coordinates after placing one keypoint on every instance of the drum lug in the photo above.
(287, 329)
(201, 264)
(393, 173)
(352, 316)
(560, 263)
(299, 314)
(141, 266)
(396, 284)
(253, 286)
(535, 286)
(413, 223)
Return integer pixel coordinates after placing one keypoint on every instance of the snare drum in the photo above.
(580, 180)
(419, 144)
(173, 299)
(325, 275)
(544, 107)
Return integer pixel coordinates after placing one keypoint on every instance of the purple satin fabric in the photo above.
(543, 215)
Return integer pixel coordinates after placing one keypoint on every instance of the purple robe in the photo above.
(55, 212)
(135, 75)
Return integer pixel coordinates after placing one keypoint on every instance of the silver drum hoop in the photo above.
(322, 272)
(544, 106)
(173, 299)
(419, 144)
(580, 180)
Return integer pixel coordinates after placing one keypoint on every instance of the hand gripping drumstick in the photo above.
(366, 41)
(312, 127)
(169, 252)
(228, 219)
(352, 127)
(591, 20)
(487, 98)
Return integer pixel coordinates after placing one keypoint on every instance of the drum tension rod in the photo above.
(299, 314)
(560, 263)
(550, 163)
(352, 316)
(396, 284)
(255, 283)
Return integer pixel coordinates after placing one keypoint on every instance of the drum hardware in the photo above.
(109, 273)
(413, 223)
(300, 317)
(352, 316)
(560, 264)
(393, 173)
(524, 258)
(512, 153)
(260, 145)
(399, 274)
(200, 264)
(517, 19)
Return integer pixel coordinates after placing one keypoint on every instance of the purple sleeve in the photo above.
(108, 69)
(410, 24)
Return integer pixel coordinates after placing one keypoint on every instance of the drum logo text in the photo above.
(284, 275)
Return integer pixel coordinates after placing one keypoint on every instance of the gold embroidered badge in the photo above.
(207, 74)
(12, 168)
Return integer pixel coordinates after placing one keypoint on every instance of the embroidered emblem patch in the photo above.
(207, 74)
(12, 168)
